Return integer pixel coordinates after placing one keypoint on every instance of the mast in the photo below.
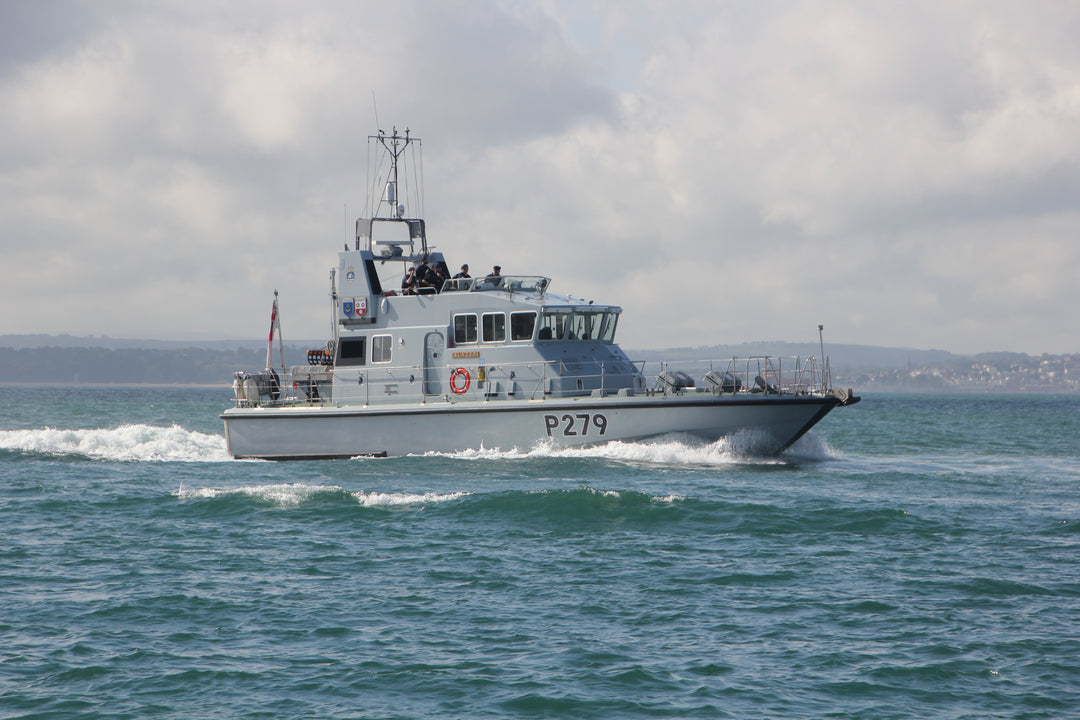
(395, 145)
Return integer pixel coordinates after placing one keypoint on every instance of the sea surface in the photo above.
(915, 556)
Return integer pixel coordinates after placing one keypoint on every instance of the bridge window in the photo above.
(464, 329)
(381, 346)
(553, 325)
(494, 327)
(584, 325)
(587, 325)
(522, 325)
(607, 329)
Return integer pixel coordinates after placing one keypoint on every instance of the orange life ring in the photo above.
(453, 381)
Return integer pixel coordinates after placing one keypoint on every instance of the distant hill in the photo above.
(126, 365)
(851, 358)
(104, 341)
(70, 359)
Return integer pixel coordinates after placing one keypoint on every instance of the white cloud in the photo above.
(904, 173)
(270, 84)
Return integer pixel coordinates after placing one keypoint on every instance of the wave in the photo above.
(739, 449)
(587, 508)
(296, 494)
(582, 509)
(124, 443)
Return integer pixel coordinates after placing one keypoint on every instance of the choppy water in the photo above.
(914, 557)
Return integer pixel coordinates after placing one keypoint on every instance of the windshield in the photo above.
(578, 325)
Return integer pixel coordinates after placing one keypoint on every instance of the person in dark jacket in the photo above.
(409, 282)
(440, 275)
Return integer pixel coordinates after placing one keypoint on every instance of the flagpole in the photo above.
(270, 339)
(280, 340)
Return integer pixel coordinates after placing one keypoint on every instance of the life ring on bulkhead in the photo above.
(453, 381)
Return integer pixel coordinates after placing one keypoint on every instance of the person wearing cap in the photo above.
(440, 275)
(409, 282)
(464, 274)
(494, 280)
(426, 280)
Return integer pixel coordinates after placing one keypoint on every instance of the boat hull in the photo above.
(771, 424)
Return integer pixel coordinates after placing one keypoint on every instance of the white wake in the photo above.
(124, 443)
(295, 494)
(739, 449)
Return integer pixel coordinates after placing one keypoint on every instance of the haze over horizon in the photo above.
(905, 173)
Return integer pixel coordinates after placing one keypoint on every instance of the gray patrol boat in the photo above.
(490, 362)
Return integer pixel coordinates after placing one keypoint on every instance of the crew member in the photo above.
(409, 282)
(440, 275)
(425, 276)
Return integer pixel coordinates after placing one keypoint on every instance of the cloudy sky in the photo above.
(905, 173)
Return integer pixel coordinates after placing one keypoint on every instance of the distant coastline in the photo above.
(70, 360)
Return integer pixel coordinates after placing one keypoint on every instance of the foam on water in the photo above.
(618, 495)
(812, 447)
(669, 450)
(374, 498)
(140, 442)
(674, 449)
(295, 494)
(124, 443)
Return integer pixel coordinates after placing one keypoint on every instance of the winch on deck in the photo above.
(254, 388)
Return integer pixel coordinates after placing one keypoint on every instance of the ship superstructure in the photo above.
(498, 361)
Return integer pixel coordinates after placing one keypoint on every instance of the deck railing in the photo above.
(382, 384)
(535, 284)
(769, 374)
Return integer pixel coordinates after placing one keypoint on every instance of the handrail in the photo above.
(504, 283)
(316, 385)
(794, 375)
